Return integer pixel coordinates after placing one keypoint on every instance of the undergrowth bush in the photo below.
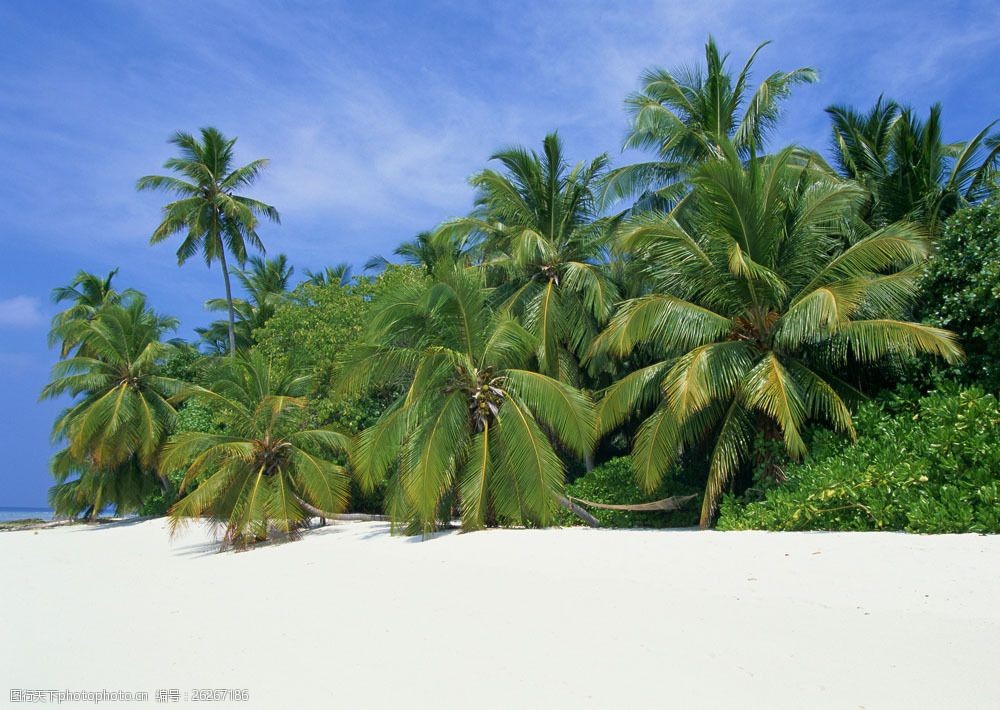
(961, 291)
(614, 483)
(926, 465)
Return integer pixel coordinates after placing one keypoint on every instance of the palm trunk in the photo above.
(229, 302)
(578, 511)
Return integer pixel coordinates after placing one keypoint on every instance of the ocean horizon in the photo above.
(15, 512)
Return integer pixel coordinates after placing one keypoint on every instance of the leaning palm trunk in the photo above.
(664, 504)
(569, 504)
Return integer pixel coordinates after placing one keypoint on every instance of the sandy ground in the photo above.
(351, 617)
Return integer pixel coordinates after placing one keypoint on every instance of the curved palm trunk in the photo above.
(664, 504)
(229, 301)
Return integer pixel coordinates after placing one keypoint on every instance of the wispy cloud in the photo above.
(375, 116)
(20, 311)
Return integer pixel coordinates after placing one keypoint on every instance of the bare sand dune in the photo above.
(351, 617)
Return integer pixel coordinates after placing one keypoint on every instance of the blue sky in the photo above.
(373, 114)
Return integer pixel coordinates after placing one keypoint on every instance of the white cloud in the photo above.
(20, 311)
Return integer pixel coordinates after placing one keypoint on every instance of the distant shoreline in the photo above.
(14, 514)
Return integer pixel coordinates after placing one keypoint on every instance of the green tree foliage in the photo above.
(538, 227)
(266, 471)
(961, 291)
(908, 169)
(317, 325)
(471, 429)
(755, 307)
(687, 114)
(121, 414)
(931, 466)
(208, 210)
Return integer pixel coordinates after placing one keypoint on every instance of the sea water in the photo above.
(14, 513)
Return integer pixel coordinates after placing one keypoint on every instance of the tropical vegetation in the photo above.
(727, 320)
(754, 311)
(922, 464)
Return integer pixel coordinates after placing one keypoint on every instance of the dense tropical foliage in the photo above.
(545, 249)
(962, 290)
(703, 324)
(755, 308)
(924, 465)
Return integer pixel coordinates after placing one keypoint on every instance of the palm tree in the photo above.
(268, 470)
(428, 250)
(266, 285)
(686, 115)
(337, 275)
(862, 142)
(114, 430)
(83, 489)
(208, 209)
(905, 165)
(87, 293)
(471, 429)
(755, 307)
(538, 227)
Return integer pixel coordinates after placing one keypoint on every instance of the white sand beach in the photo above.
(351, 617)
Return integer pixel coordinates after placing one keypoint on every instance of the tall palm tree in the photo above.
(686, 114)
(114, 429)
(266, 284)
(208, 208)
(471, 428)
(268, 470)
(87, 294)
(755, 308)
(543, 242)
(910, 172)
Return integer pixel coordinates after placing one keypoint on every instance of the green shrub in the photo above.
(614, 483)
(317, 326)
(192, 416)
(961, 290)
(930, 466)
